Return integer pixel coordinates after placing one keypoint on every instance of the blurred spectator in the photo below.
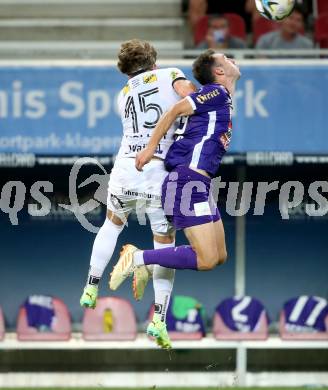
(199, 8)
(218, 35)
(288, 36)
(252, 10)
(306, 5)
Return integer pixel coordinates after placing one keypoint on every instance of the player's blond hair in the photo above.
(136, 55)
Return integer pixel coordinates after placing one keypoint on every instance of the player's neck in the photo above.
(229, 85)
(130, 76)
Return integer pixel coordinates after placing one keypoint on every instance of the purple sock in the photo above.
(180, 257)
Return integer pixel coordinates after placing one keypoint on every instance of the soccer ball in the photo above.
(275, 9)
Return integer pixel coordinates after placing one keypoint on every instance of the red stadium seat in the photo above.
(200, 29)
(321, 30)
(222, 332)
(2, 325)
(322, 7)
(176, 336)
(237, 27)
(285, 335)
(61, 328)
(123, 324)
(262, 26)
(298, 333)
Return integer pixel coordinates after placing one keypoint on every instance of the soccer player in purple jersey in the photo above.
(192, 160)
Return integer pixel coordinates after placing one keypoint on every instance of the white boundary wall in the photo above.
(165, 379)
(239, 377)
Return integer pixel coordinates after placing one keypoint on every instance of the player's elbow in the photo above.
(182, 108)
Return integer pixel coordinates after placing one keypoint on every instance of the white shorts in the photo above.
(132, 191)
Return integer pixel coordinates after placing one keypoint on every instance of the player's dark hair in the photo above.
(136, 56)
(202, 67)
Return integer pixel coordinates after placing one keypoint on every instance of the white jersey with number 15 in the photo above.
(141, 103)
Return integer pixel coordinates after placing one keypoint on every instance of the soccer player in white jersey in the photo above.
(148, 94)
(192, 161)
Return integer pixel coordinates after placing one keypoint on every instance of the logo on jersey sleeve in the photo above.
(225, 138)
(126, 89)
(149, 79)
(174, 74)
(207, 96)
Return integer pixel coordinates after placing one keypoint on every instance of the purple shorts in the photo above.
(186, 198)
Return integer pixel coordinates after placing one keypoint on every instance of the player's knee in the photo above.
(114, 218)
(208, 261)
(223, 257)
(164, 239)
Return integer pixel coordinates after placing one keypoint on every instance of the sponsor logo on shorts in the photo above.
(202, 208)
(144, 195)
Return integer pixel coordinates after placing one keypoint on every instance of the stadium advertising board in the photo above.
(72, 110)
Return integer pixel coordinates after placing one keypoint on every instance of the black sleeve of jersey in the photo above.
(178, 78)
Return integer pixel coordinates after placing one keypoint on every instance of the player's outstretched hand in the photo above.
(143, 158)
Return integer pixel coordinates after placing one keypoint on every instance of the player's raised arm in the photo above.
(181, 85)
(184, 87)
(182, 108)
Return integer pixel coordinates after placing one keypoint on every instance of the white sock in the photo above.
(163, 279)
(103, 249)
(138, 258)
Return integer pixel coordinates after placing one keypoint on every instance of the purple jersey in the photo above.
(205, 136)
(241, 314)
(306, 314)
